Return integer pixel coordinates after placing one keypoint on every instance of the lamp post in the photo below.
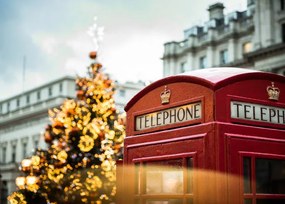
(29, 182)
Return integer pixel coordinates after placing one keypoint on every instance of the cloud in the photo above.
(52, 36)
(136, 58)
(47, 43)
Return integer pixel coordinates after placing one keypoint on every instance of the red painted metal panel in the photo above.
(212, 78)
(181, 93)
(218, 141)
(250, 91)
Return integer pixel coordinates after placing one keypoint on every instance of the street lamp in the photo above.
(20, 182)
(26, 164)
(28, 182)
(31, 180)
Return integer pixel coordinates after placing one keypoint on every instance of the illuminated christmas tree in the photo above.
(85, 138)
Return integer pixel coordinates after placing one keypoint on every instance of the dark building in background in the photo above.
(254, 38)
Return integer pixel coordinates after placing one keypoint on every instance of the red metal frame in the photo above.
(239, 146)
(254, 101)
(172, 105)
(218, 141)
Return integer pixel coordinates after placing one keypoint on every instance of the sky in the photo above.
(41, 41)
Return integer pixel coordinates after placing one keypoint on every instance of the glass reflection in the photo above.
(190, 175)
(247, 175)
(247, 201)
(270, 176)
(170, 201)
(164, 177)
(270, 201)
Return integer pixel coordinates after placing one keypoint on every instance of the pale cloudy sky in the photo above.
(52, 35)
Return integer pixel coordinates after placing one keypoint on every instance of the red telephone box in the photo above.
(209, 136)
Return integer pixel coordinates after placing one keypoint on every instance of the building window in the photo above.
(122, 93)
(36, 144)
(203, 62)
(60, 87)
(283, 32)
(28, 99)
(18, 103)
(224, 57)
(50, 91)
(0, 108)
(39, 95)
(183, 67)
(24, 150)
(14, 153)
(8, 106)
(282, 5)
(4, 154)
(247, 47)
(4, 191)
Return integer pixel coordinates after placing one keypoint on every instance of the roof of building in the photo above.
(216, 75)
(213, 78)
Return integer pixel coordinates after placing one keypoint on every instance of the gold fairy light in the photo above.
(20, 182)
(35, 160)
(111, 176)
(62, 156)
(55, 174)
(106, 165)
(93, 183)
(86, 143)
(17, 198)
(104, 197)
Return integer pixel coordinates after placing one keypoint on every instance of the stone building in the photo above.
(23, 119)
(254, 38)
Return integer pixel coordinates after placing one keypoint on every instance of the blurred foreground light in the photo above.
(26, 163)
(20, 182)
(31, 180)
(35, 160)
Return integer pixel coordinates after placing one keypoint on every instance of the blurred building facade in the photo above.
(23, 119)
(254, 38)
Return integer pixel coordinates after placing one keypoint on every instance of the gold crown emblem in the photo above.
(273, 92)
(165, 95)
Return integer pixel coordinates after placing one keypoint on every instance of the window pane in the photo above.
(24, 150)
(38, 95)
(270, 201)
(168, 201)
(50, 91)
(203, 62)
(224, 57)
(247, 47)
(13, 153)
(270, 176)
(137, 178)
(164, 177)
(247, 201)
(36, 144)
(190, 175)
(4, 154)
(189, 201)
(183, 67)
(247, 174)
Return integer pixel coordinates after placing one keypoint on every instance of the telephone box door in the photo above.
(165, 174)
(261, 170)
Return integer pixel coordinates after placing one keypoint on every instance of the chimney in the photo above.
(216, 11)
